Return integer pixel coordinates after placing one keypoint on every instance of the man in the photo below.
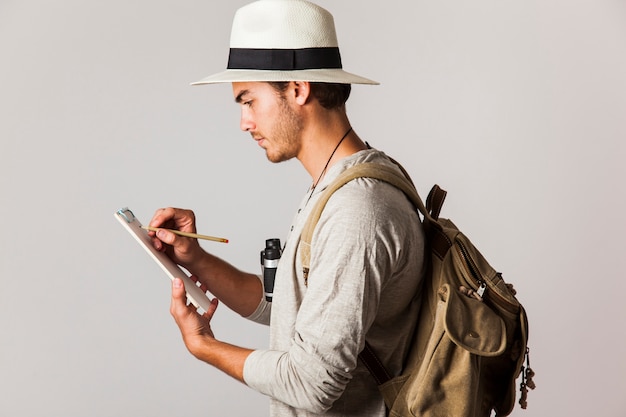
(286, 74)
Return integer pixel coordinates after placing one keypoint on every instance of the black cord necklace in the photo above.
(326, 166)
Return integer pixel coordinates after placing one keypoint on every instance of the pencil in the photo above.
(187, 234)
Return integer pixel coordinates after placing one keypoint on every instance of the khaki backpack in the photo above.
(470, 343)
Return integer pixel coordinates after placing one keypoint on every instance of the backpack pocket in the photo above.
(471, 324)
(448, 382)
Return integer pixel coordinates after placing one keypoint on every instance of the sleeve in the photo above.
(263, 311)
(353, 250)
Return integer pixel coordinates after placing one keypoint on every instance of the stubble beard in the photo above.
(286, 135)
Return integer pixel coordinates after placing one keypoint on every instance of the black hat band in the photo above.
(284, 59)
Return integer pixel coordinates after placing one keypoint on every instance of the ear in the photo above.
(302, 91)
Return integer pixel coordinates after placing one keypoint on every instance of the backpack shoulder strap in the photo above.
(370, 170)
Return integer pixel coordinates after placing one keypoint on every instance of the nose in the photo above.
(246, 123)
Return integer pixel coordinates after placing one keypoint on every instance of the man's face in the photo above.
(270, 119)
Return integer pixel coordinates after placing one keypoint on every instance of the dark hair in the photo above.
(330, 95)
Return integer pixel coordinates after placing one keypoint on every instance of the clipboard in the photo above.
(195, 295)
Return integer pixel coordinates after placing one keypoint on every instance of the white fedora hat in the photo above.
(284, 40)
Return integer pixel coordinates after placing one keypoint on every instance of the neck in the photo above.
(325, 145)
(330, 158)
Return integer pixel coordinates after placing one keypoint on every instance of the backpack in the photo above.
(470, 342)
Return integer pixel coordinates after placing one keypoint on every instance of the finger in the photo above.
(211, 310)
(160, 219)
(185, 220)
(156, 243)
(162, 216)
(179, 298)
(174, 218)
(197, 281)
(166, 236)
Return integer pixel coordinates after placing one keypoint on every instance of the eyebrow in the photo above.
(242, 93)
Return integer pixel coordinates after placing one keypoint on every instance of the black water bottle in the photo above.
(269, 260)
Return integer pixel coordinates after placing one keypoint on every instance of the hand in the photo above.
(195, 328)
(199, 338)
(184, 251)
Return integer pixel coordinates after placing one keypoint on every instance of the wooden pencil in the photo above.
(187, 234)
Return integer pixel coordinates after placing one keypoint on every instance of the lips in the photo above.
(260, 140)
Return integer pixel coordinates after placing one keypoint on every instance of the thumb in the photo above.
(166, 236)
(179, 297)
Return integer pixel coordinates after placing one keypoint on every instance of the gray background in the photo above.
(517, 108)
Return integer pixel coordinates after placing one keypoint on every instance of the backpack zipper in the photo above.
(480, 284)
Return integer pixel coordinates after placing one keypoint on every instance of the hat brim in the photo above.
(313, 75)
